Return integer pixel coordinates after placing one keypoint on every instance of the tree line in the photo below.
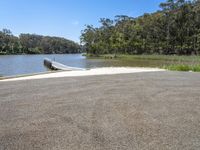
(35, 44)
(175, 29)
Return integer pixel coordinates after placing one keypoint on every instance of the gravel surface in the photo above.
(141, 111)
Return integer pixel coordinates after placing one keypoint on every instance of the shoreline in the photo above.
(90, 72)
(168, 62)
(26, 75)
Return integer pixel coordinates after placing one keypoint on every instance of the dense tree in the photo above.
(175, 29)
(35, 44)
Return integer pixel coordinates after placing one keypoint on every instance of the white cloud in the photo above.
(75, 23)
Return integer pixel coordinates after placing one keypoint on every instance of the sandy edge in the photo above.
(91, 72)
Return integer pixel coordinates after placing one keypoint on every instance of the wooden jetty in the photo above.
(53, 65)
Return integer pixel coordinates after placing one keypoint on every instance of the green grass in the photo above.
(148, 57)
(194, 68)
(170, 62)
(158, 57)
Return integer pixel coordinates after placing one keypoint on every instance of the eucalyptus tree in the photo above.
(175, 29)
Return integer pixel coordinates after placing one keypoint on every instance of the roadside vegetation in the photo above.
(35, 44)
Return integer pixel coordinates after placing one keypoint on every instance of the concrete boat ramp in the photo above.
(89, 72)
(53, 65)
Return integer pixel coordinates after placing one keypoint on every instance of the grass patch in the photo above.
(160, 57)
(169, 62)
(194, 68)
(93, 56)
(147, 57)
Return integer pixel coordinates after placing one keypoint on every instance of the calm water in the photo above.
(26, 64)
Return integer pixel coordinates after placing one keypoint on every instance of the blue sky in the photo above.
(66, 18)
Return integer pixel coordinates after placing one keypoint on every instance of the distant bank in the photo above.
(35, 44)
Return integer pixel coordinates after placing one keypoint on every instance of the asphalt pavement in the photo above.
(139, 111)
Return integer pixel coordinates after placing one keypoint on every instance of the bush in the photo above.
(195, 68)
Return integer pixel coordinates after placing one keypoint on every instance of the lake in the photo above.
(26, 64)
(11, 65)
